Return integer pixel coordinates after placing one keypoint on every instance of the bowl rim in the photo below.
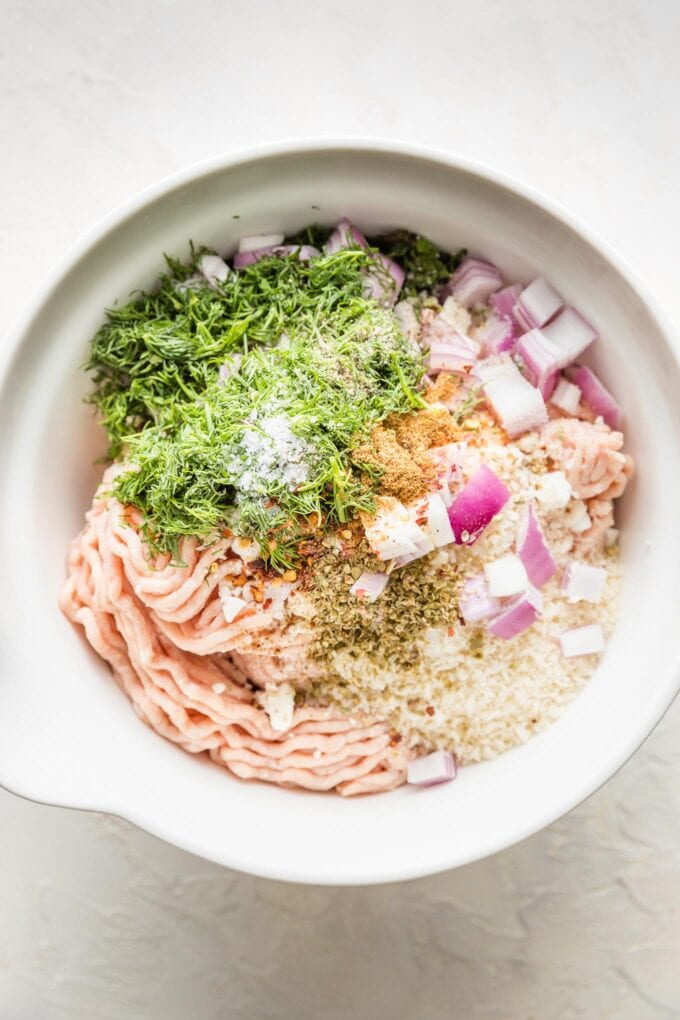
(299, 147)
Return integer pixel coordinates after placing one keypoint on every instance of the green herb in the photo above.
(343, 366)
(425, 266)
(386, 631)
(314, 234)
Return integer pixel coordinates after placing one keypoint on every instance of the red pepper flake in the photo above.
(451, 631)
(430, 710)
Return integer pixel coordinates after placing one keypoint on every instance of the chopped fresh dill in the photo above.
(267, 449)
(425, 266)
(238, 407)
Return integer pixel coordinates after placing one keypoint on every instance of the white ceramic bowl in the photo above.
(67, 734)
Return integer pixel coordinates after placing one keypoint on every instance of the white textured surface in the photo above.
(579, 99)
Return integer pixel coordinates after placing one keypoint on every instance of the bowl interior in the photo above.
(67, 735)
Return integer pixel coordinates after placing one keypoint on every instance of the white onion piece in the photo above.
(498, 334)
(541, 358)
(518, 616)
(232, 605)
(370, 586)
(476, 505)
(517, 404)
(384, 280)
(345, 235)
(214, 269)
(553, 491)
(566, 396)
(571, 333)
(438, 767)
(503, 301)
(537, 304)
(458, 355)
(506, 576)
(597, 396)
(304, 252)
(433, 517)
(588, 640)
(475, 603)
(255, 242)
(533, 550)
(473, 282)
(584, 583)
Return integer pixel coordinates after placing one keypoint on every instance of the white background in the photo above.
(580, 99)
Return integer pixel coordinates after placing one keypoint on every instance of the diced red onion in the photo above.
(588, 640)
(370, 585)
(537, 304)
(345, 236)
(584, 583)
(498, 334)
(533, 550)
(249, 258)
(475, 603)
(457, 355)
(385, 280)
(438, 767)
(597, 396)
(214, 269)
(503, 301)
(506, 576)
(473, 282)
(566, 396)
(476, 505)
(517, 404)
(255, 242)
(518, 616)
(541, 359)
(571, 334)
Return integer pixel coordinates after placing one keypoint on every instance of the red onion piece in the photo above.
(249, 258)
(517, 616)
(597, 396)
(571, 334)
(566, 396)
(588, 640)
(432, 516)
(345, 236)
(476, 505)
(583, 583)
(538, 303)
(457, 355)
(385, 280)
(517, 405)
(533, 550)
(473, 282)
(506, 576)
(370, 586)
(503, 301)
(214, 269)
(438, 767)
(255, 242)
(475, 603)
(498, 334)
(541, 359)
